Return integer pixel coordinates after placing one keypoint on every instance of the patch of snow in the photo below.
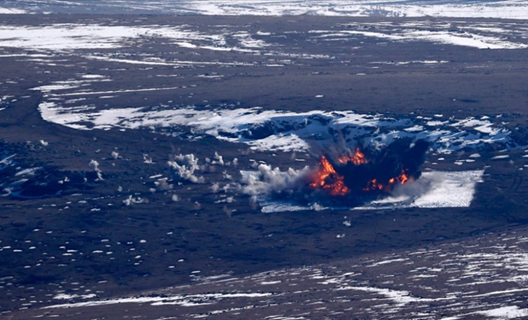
(449, 189)
(64, 296)
(183, 300)
(93, 76)
(501, 157)
(11, 11)
(441, 37)
(276, 130)
(379, 263)
(29, 171)
(416, 128)
(67, 37)
(399, 297)
(512, 312)
(490, 9)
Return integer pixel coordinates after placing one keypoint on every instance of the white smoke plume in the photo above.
(231, 187)
(215, 187)
(131, 200)
(184, 167)
(218, 159)
(147, 159)
(163, 184)
(228, 212)
(227, 176)
(267, 180)
(95, 165)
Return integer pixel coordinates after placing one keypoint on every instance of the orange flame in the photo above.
(357, 159)
(375, 185)
(328, 179)
(403, 178)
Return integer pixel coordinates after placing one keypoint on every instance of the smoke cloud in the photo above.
(390, 167)
(183, 167)
(270, 181)
(401, 157)
(95, 165)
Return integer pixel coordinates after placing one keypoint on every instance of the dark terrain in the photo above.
(86, 240)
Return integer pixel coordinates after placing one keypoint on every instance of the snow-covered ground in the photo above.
(494, 38)
(492, 9)
(11, 11)
(280, 130)
(274, 130)
(509, 9)
(261, 129)
(477, 277)
(83, 101)
(482, 277)
(68, 37)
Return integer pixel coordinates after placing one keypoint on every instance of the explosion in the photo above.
(348, 178)
(328, 179)
(371, 172)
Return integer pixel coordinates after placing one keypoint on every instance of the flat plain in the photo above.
(121, 195)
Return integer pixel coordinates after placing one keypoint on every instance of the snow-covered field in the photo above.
(282, 130)
(495, 9)
(11, 11)
(63, 101)
(511, 9)
(155, 83)
(483, 277)
(270, 130)
(70, 102)
(68, 37)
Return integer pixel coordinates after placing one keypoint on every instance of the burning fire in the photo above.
(357, 159)
(374, 185)
(328, 179)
